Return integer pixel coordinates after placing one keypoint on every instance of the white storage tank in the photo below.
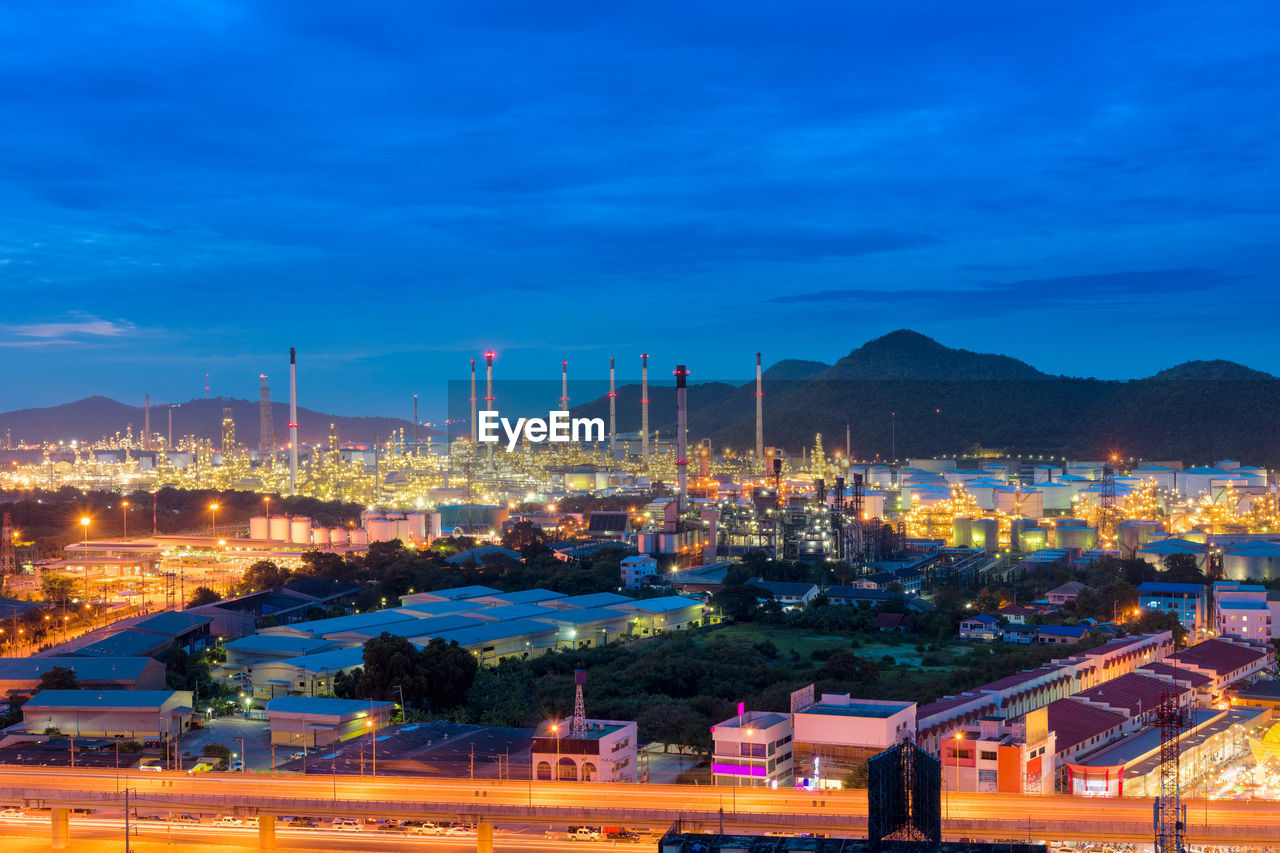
(1055, 496)
(279, 528)
(880, 476)
(368, 515)
(300, 530)
(1083, 538)
(338, 536)
(381, 530)
(1258, 561)
(1046, 473)
(360, 537)
(1016, 528)
(320, 536)
(258, 527)
(986, 534)
(1033, 539)
(417, 526)
(961, 535)
(403, 532)
(435, 525)
(394, 516)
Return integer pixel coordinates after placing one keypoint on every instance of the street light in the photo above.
(84, 526)
(373, 745)
(124, 519)
(213, 508)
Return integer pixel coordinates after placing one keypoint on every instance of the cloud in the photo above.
(1108, 288)
(80, 329)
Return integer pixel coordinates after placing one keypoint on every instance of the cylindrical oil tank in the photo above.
(961, 533)
(1016, 527)
(359, 536)
(1033, 539)
(1083, 538)
(279, 528)
(367, 515)
(394, 516)
(1260, 562)
(381, 530)
(417, 525)
(338, 536)
(300, 530)
(985, 533)
(402, 529)
(1066, 521)
(258, 527)
(320, 536)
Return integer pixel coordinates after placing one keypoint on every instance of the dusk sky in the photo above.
(194, 187)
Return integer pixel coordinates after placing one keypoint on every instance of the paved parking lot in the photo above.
(227, 731)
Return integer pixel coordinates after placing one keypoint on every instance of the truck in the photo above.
(576, 833)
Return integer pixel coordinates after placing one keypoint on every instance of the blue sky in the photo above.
(193, 187)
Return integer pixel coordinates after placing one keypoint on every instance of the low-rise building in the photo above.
(753, 749)
(1187, 601)
(999, 756)
(635, 569)
(147, 716)
(306, 722)
(244, 653)
(666, 613)
(1060, 635)
(980, 627)
(835, 733)
(1069, 591)
(789, 595)
(605, 751)
(1243, 611)
(306, 675)
(1225, 660)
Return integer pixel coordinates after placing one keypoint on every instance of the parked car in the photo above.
(183, 817)
(227, 820)
(348, 824)
(422, 827)
(12, 812)
(303, 823)
(460, 829)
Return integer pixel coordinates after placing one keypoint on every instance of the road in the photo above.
(843, 813)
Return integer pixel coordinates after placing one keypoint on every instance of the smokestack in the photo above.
(146, 424)
(848, 443)
(473, 401)
(266, 429)
(488, 396)
(644, 409)
(759, 412)
(564, 385)
(682, 454)
(613, 414)
(415, 423)
(293, 421)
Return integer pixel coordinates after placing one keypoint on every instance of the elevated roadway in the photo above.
(984, 816)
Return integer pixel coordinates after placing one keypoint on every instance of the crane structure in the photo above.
(1170, 818)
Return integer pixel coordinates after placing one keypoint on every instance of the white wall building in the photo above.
(753, 749)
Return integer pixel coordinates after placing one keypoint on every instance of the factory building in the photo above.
(305, 675)
(667, 613)
(753, 749)
(635, 569)
(1132, 767)
(835, 733)
(22, 675)
(307, 722)
(605, 751)
(147, 716)
(244, 653)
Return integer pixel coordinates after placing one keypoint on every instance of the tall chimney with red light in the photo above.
(682, 443)
(488, 397)
(474, 425)
(293, 421)
(146, 424)
(613, 414)
(759, 413)
(644, 409)
(564, 386)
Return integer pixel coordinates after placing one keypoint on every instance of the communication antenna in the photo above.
(579, 728)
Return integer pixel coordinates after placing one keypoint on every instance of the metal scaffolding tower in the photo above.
(1170, 819)
(578, 729)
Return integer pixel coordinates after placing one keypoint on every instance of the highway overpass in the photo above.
(978, 816)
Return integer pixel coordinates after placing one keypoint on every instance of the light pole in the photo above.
(124, 519)
(213, 508)
(266, 499)
(373, 745)
(244, 756)
(555, 730)
(84, 526)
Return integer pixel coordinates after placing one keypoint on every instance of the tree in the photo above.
(57, 589)
(1183, 568)
(263, 574)
(524, 536)
(59, 678)
(203, 595)
(846, 666)
(437, 676)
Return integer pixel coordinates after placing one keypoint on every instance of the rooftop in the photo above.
(87, 669)
(136, 699)
(662, 604)
(1132, 692)
(753, 720)
(1158, 587)
(278, 644)
(1075, 722)
(496, 631)
(1221, 656)
(321, 707)
(172, 623)
(525, 596)
(1187, 676)
(589, 600)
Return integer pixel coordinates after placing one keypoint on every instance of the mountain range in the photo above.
(903, 394)
(94, 417)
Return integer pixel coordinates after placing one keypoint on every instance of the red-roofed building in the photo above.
(996, 756)
(1134, 695)
(1079, 728)
(1226, 660)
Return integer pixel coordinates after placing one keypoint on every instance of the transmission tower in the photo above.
(8, 564)
(1170, 813)
(1107, 509)
(579, 727)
